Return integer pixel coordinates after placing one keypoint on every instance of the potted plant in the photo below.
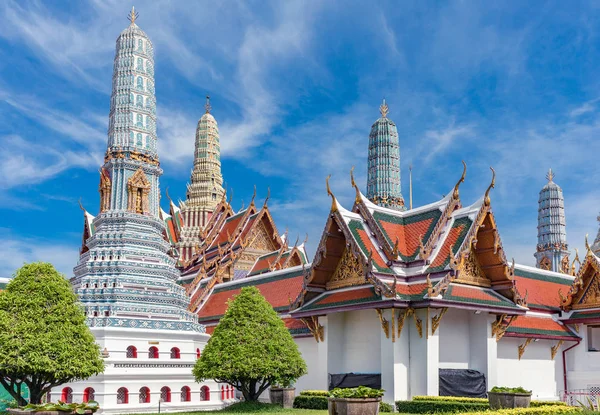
(354, 401)
(60, 408)
(283, 394)
(504, 397)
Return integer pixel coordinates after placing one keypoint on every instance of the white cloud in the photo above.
(16, 251)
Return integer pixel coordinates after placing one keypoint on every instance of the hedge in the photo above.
(534, 404)
(450, 399)
(541, 410)
(310, 402)
(314, 393)
(435, 406)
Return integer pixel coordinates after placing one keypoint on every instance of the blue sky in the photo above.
(295, 87)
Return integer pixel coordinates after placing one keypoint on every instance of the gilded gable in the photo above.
(349, 271)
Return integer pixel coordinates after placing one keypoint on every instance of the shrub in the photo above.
(259, 349)
(435, 406)
(506, 389)
(542, 410)
(314, 393)
(253, 407)
(537, 404)
(386, 407)
(463, 399)
(310, 402)
(77, 408)
(360, 392)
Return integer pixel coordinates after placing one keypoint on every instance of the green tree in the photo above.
(44, 341)
(250, 349)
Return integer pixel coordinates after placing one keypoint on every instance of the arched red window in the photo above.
(186, 394)
(231, 392)
(67, 395)
(122, 396)
(204, 393)
(175, 353)
(131, 352)
(197, 353)
(222, 393)
(165, 394)
(89, 394)
(153, 352)
(144, 395)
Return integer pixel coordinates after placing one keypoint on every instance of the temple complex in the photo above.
(409, 296)
(552, 249)
(126, 276)
(406, 297)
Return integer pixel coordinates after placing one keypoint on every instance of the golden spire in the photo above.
(550, 175)
(207, 106)
(133, 15)
(383, 109)
(410, 186)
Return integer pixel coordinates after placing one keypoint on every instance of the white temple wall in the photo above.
(535, 371)
(360, 344)
(454, 339)
(308, 349)
(583, 363)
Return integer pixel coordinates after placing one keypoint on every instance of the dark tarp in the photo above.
(352, 380)
(462, 382)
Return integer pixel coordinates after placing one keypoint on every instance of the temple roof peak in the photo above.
(207, 106)
(133, 15)
(384, 109)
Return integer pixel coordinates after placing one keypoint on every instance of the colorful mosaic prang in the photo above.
(383, 175)
(552, 249)
(126, 275)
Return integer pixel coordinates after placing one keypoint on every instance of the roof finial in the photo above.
(410, 186)
(132, 15)
(207, 106)
(486, 198)
(383, 109)
(461, 180)
(330, 193)
(550, 175)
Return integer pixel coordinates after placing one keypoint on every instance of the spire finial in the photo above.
(207, 106)
(550, 175)
(133, 15)
(383, 109)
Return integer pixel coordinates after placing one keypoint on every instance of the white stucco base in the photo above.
(135, 373)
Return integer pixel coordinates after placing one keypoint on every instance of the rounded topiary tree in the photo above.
(250, 349)
(44, 341)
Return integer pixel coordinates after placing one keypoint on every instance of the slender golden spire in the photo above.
(383, 109)
(207, 106)
(133, 15)
(410, 186)
(550, 175)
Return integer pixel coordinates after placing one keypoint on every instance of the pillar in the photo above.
(321, 378)
(424, 356)
(483, 347)
(394, 361)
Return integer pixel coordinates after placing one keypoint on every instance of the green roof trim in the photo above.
(459, 241)
(584, 315)
(434, 214)
(499, 300)
(540, 277)
(541, 332)
(317, 306)
(246, 282)
(355, 226)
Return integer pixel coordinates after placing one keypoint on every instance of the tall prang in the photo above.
(383, 178)
(126, 273)
(205, 190)
(552, 250)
